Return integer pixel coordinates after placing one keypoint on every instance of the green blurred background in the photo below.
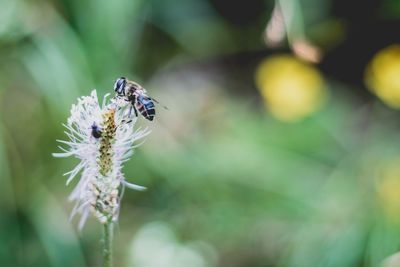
(281, 146)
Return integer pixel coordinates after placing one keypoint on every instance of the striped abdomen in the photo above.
(146, 107)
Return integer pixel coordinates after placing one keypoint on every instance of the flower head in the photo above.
(102, 139)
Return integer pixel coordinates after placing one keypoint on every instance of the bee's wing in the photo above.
(159, 103)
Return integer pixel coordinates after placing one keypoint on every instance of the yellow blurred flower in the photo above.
(291, 88)
(388, 187)
(382, 75)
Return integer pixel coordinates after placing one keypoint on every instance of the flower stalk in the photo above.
(107, 246)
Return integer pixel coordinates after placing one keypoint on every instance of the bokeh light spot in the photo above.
(382, 75)
(388, 187)
(291, 88)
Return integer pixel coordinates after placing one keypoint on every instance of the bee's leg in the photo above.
(133, 103)
(122, 122)
(130, 111)
(129, 114)
(133, 106)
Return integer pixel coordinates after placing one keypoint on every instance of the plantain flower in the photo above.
(102, 139)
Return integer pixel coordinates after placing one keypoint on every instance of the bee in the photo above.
(96, 132)
(137, 96)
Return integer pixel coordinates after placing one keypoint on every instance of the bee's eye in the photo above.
(119, 85)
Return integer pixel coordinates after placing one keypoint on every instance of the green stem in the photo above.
(107, 248)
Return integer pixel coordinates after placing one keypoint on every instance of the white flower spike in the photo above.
(102, 158)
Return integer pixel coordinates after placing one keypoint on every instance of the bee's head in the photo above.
(119, 86)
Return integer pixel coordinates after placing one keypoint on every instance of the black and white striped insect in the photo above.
(137, 96)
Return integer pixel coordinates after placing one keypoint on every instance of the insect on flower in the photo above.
(102, 181)
(96, 132)
(137, 96)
